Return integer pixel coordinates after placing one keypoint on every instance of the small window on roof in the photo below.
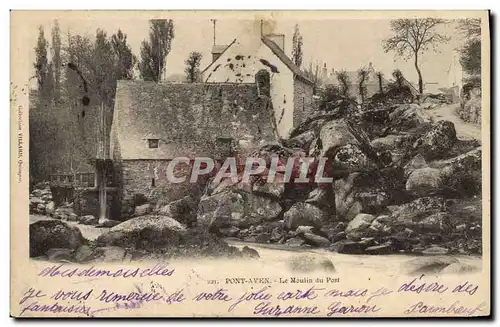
(153, 143)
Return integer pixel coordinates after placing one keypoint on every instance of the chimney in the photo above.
(279, 39)
(217, 50)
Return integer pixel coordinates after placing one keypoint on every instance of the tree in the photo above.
(313, 75)
(344, 83)
(192, 69)
(470, 52)
(56, 59)
(125, 59)
(412, 37)
(41, 62)
(362, 78)
(380, 78)
(297, 41)
(155, 50)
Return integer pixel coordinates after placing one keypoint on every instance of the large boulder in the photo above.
(50, 208)
(437, 141)
(240, 209)
(406, 116)
(338, 133)
(302, 141)
(182, 210)
(88, 220)
(416, 162)
(48, 234)
(145, 232)
(462, 174)
(424, 181)
(143, 209)
(412, 213)
(304, 214)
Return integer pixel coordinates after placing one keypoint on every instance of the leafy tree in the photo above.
(192, 69)
(470, 52)
(412, 37)
(56, 59)
(125, 59)
(155, 50)
(297, 42)
(41, 62)
(362, 78)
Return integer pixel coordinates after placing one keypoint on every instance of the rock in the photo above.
(351, 158)
(372, 201)
(275, 189)
(108, 223)
(463, 174)
(236, 209)
(302, 141)
(60, 255)
(295, 242)
(461, 227)
(459, 269)
(48, 234)
(50, 208)
(337, 237)
(406, 116)
(110, 254)
(417, 209)
(250, 253)
(388, 142)
(305, 229)
(277, 234)
(426, 265)
(424, 181)
(182, 210)
(438, 222)
(436, 250)
(143, 209)
(36, 193)
(379, 249)
(437, 141)
(359, 225)
(348, 247)
(144, 232)
(230, 231)
(40, 208)
(322, 197)
(89, 220)
(337, 133)
(316, 240)
(309, 263)
(72, 217)
(416, 162)
(84, 253)
(304, 214)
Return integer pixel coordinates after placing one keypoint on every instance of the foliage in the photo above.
(192, 69)
(44, 80)
(155, 50)
(412, 37)
(125, 60)
(470, 52)
(56, 59)
(380, 77)
(297, 42)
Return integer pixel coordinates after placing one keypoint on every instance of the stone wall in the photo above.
(302, 102)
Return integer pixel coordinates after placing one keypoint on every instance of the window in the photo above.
(153, 143)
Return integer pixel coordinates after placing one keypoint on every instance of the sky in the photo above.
(341, 43)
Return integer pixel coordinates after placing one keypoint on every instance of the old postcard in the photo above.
(250, 164)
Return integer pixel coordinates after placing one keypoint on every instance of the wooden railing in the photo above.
(73, 180)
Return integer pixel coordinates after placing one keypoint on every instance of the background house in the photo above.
(240, 61)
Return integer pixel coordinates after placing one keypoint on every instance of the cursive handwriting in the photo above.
(454, 308)
(267, 309)
(416, 286)
(158, 270)
(340, 308)
(260, 295)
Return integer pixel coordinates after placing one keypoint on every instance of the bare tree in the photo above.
(362, 77)
(412, 37)
(344, 83)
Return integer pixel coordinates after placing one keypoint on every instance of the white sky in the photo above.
(341, 43)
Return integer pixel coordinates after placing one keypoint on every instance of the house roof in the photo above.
(219, 48)
(278, 52)
(287, 61)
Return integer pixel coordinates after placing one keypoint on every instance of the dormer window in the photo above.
(153, 143)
